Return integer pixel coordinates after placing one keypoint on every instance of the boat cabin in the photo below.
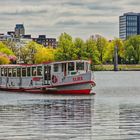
(22, 75)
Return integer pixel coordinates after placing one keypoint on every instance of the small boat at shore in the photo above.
(65, 77)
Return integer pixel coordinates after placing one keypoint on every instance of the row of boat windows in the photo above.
(71, 66)
(38, 71)
(18, 72)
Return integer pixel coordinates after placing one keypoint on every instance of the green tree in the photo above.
(132, 49)
(129, 54)
(66, 49)
(27, 53)
(102, 44)
(109, 55)
(5, 50)
(91, 52)
(79, 46)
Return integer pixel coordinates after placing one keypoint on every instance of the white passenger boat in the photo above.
(65, 77)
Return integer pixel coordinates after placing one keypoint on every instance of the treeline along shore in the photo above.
(97, 49)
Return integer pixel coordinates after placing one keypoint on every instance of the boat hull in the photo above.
(84, 88)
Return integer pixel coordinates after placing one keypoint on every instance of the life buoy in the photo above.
(54, 79)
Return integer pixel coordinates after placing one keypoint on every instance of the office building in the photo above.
(129, 24)
(19, 30)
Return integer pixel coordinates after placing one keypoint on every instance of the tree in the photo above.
(4, 59)
(132, 49)
(66, 49)
(44, 55)
(79, 46)
(34, 53)
(109, 55)
(90, 51)
(6, 55)
(5, 50)
(129, 54)
(12, 46)
(27, 53)
(102, 44)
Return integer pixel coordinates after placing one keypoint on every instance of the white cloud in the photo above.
(52, 17)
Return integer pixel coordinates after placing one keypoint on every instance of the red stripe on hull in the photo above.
(70, 92)
(39, 91)
(76, 92)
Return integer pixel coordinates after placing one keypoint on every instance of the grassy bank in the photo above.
(123, 67)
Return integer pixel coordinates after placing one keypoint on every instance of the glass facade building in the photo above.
(129, 24)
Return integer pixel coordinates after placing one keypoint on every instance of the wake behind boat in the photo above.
(65, 77)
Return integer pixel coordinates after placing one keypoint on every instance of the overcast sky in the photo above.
(78, 18)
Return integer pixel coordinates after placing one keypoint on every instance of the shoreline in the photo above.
(121, 67)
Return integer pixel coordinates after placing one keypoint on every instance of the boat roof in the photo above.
(66, 61)
(49, 63)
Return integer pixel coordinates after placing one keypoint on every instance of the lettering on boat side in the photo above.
(79, 78)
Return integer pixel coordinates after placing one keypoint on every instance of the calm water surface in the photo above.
(112, 114)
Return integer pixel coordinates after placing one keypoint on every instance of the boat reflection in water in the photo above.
(53, 119)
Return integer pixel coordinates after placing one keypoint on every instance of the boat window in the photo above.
(63, 67)
(28, 71)
(24, 72)
(39, 70)
(9, 72)
(55, 68)
(33, 71)
(14, 72)
(71, 66)
(47, 70)
(18, 72)
(2, 71)
(5, 71)
(80, 66)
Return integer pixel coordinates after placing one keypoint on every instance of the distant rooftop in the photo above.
(19, 26)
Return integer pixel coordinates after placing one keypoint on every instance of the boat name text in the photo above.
(80, 78)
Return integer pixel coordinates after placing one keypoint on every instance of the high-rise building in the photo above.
(19, 30)
(129, 24)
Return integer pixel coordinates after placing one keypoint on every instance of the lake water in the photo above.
(112, 114)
